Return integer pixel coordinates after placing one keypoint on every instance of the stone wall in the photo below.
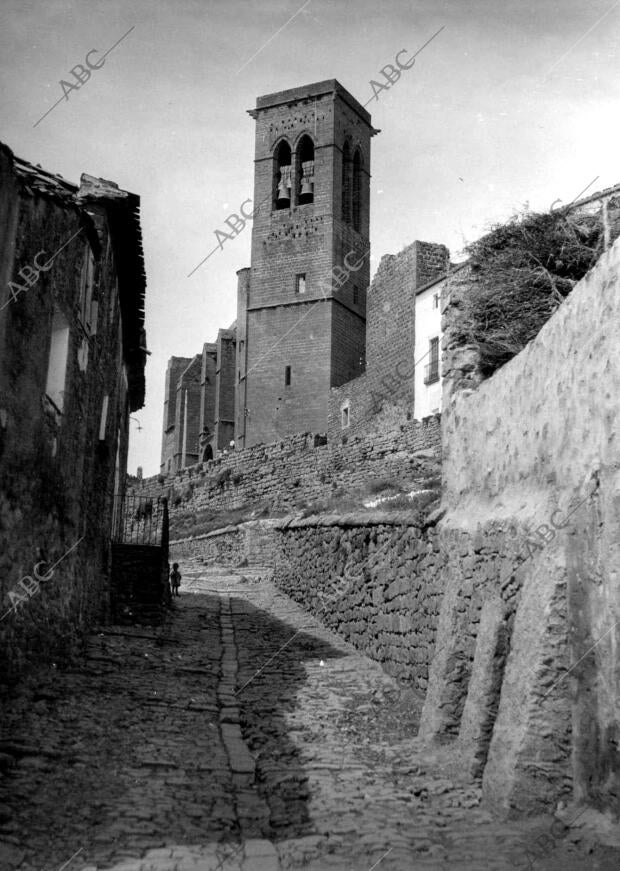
(187, 415)
(57, 465)
(223, 546)
(283, 327)
(176, 366)
(253, 542)
(301, 469)
(376, 581)
(225, 381)
(390, 341)
(525, 678)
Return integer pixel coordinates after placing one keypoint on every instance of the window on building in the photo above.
(435, 300)
(356, 295)
(431, 373)
(344, 416)
(346, 184)
(287, 376)
(57, 363)
(103, 420)
(88, 307)
(300, 282)
(282, 181)
(356, 192)
(304, 171)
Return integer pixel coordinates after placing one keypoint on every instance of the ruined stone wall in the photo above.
(299, 470)
(525, 678)
(390, 341)
(377, 582)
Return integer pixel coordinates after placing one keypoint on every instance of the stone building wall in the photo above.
(285, 327)
(390, 341)
(243, 293)
(225, 383)
(60, 454)
(206, 427)
(187, 415)
(176, 365)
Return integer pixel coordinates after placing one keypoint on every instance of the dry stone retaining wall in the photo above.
(377, 582)
(253, 542)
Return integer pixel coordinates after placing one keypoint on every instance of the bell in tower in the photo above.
(305, 170)
(302, 333)
(284, 183)
(283, 199)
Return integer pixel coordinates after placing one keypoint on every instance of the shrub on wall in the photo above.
(521, 272)
(382, 484)
(222, 477)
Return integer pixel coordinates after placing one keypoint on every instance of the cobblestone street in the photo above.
(242, 735)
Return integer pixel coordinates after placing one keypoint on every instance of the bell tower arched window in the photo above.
(357, 190)
(282, 180)
(305, 171)
(346, 184)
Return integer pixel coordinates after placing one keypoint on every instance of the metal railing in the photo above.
(140, 520)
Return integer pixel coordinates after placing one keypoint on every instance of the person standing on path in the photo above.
(175, 579)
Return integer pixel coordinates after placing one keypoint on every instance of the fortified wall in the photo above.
(301, 469)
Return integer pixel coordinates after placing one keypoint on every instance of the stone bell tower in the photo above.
(301, 320)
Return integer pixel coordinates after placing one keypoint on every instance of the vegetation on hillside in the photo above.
(522, 271)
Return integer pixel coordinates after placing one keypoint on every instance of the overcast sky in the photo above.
(512, 102)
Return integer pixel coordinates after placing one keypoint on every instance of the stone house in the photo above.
(72, 359)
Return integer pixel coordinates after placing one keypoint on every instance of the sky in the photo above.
(511, 103)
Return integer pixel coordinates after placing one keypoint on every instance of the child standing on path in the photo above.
(175, 579)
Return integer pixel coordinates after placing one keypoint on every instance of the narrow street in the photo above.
(242, 735)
